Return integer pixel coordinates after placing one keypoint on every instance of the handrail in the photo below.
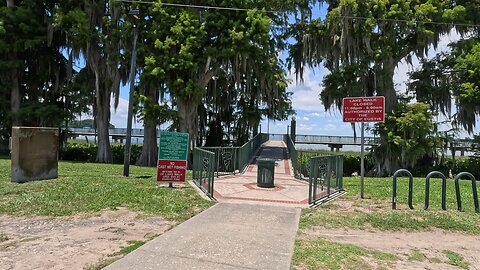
(292, 152)
(229, 160)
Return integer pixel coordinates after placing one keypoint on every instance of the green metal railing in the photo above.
(303, 166)
(300, 159)
(203, 170)
(232, 160)
(326, 177)
(292, 154)
(225, 159)
(247, 151)
(323, 172)
(211, 161)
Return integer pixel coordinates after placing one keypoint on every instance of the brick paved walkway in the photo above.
(243, 188)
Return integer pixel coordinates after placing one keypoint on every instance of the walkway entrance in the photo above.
(287, 190)
(301, 178)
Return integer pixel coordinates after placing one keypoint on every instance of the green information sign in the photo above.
(173, 146)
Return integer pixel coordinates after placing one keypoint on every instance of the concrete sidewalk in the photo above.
(226, 236)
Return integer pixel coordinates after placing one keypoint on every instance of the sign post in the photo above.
(172, 157)
(363, 109)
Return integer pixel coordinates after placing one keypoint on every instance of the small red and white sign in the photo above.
(364, 109)
(171, 170)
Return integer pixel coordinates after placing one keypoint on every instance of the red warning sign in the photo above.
(364, 109)
(171, 170)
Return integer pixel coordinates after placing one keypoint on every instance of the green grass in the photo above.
(3, 237)
(456, 259)
(417, 255)
(381, 188)
(100, 265)
(322, 254)
(375, 213)
(414, 220)
(378, 192)
(132, 245)
(89, 188)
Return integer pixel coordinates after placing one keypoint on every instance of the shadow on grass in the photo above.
(144, 177)
(173, 187)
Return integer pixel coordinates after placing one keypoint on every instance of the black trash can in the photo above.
(266, 171)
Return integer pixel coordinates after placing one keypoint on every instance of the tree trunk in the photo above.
(149, 154)
(187, 113)
(102, 120)
(15, 97)
(388, 84)
(385, 164)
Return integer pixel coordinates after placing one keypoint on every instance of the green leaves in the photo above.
(74, 23)
(409, 135)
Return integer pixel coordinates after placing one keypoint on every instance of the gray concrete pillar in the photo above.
(34, 153)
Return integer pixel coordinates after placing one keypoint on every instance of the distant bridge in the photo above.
(337, 142)
(113, 132)
(334, 142)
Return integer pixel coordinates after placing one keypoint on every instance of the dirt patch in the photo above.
(72, 243)
(406, 245)
(358, 205)
(416, 250)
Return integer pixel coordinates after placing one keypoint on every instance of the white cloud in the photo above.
(314, 114)
(305, 118)
(306, 95)
(303, 127)
(118, 117)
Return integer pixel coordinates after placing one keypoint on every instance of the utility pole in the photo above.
(134, 13)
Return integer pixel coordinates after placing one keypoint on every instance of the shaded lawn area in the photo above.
(89, 188)
(374, 213)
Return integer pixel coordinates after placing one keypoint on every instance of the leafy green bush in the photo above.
(118, 151)
(86, 152)
(471, 165)
(4, 151)
(351, 161)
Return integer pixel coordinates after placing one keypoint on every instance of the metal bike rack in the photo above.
(474, 189)
(410, 188)
(444, 189)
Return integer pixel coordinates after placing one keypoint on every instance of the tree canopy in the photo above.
(215, 73)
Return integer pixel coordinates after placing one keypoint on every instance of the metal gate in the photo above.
(203, 170)
(324, 173)
(209, 161)
(326, 177)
